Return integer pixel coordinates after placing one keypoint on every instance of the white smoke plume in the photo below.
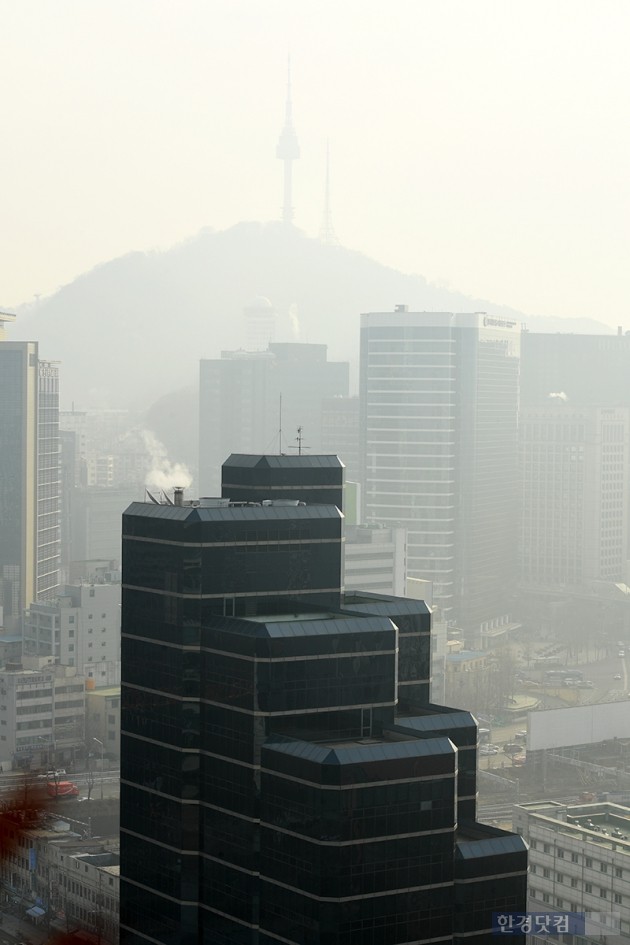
(559, 396)
(295, 321)
(163, 474)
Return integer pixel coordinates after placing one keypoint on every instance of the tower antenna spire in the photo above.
(288, 150)
(327, 232)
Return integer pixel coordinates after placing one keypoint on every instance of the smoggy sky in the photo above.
(484, 145)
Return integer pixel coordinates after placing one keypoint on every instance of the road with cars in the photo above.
(18, 784)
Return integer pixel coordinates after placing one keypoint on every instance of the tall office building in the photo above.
(586, 374)
(588, 370)
(284, 777)
(340, 432)
(439, 407)
(30, 486)
(254, 402)
(575, 473)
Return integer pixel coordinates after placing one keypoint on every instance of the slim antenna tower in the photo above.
(280, 428)
(327, 233)
(288, 150)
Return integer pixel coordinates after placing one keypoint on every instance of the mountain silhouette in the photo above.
(134, 328)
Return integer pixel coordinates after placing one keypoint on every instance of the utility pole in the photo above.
(99, 742)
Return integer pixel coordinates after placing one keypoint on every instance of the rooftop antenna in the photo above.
(300, 444)
(288, 150)
(280, 428)
(272, 442)
(327, 233)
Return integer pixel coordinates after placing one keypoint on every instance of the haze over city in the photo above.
(314, 473)
(484, 146)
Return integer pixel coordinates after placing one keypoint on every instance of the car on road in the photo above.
(617, 676)
(53, 775)
(512, 748)
(488, 750)
(521, 736)
(622, 653)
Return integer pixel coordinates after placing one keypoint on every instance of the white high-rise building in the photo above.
(439, 402)
(30, 476)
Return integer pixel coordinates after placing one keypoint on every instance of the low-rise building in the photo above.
(103, 719)
(60, 878)
(375, 559)
(86, 887)
(42, 713)
(579, 861)
(10, 647)
(81, 626)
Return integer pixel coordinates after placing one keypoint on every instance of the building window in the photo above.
(618, 872)
(560, 853)
(574, 858)
(574, 883)
(603, 868)
(532, 868)
(559, 877)
(588, 861)
(618, 899)
(603, 894)
(70, 619)
(546, 872)
(588, 887)
(546, 848)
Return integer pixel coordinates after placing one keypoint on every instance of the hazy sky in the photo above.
(483, 144)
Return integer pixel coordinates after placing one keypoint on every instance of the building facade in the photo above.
(375, 559)
(575, 476)
(579, 862)
(588, 370)
(102, 720)
(340, 432)
(59, 878)
(284, 776)
(254, 402)
(42, 714)
(80, 627)
(30, 486)
(439, 420)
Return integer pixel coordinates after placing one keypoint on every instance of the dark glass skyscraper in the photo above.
(285, 778)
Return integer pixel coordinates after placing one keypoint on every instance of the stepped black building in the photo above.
(285, 778)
